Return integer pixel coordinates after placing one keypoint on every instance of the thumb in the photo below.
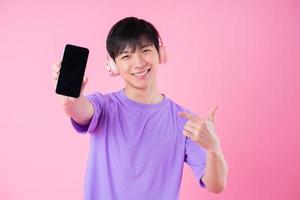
(85, 79)
(84, 82)
(211, 116)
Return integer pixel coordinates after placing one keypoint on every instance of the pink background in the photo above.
(242, 56)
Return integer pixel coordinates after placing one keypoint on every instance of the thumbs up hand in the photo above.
(202, 130)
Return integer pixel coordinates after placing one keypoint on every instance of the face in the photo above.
(138, 68)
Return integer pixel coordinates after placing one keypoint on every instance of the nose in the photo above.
(139, 61)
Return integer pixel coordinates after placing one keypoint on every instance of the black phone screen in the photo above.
(72, 70)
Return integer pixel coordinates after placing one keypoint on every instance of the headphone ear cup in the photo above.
(111, 66)
(162, 55)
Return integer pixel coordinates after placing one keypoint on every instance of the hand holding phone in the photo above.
(71, 73)
(55, 74)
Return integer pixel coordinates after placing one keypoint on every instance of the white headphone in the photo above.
(112, 67)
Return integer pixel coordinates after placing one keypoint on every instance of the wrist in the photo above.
(215, 151)
(71, 101)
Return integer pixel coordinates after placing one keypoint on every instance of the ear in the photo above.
(162, 55)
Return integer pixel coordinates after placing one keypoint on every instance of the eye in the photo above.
(123, 57)
(146, 50)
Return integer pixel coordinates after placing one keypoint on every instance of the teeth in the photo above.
(142, 74)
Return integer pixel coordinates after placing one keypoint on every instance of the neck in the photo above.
(146, 96)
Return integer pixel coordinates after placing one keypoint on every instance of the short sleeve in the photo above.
(195, 157)
(98, 102)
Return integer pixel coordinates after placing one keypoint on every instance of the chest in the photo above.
(144, 136)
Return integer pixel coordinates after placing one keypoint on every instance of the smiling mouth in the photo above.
(141, 74)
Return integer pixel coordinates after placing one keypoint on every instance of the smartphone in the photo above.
(72, 70)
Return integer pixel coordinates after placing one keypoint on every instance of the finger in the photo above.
(190, 129)
(85, 79)
(189, 134)
(211, 116)
(195, 123)
(191, 124)
(55, 68)
(54, 84)
(55, 75)
(58, 63)
(210, 127)
(186, 115)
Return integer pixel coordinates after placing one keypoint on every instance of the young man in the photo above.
(140, 138)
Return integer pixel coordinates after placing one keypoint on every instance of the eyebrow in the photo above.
(146, 45)
(126, 51)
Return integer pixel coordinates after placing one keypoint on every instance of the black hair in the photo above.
(131, 32)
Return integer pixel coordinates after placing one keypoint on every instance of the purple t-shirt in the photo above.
(137, 151)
